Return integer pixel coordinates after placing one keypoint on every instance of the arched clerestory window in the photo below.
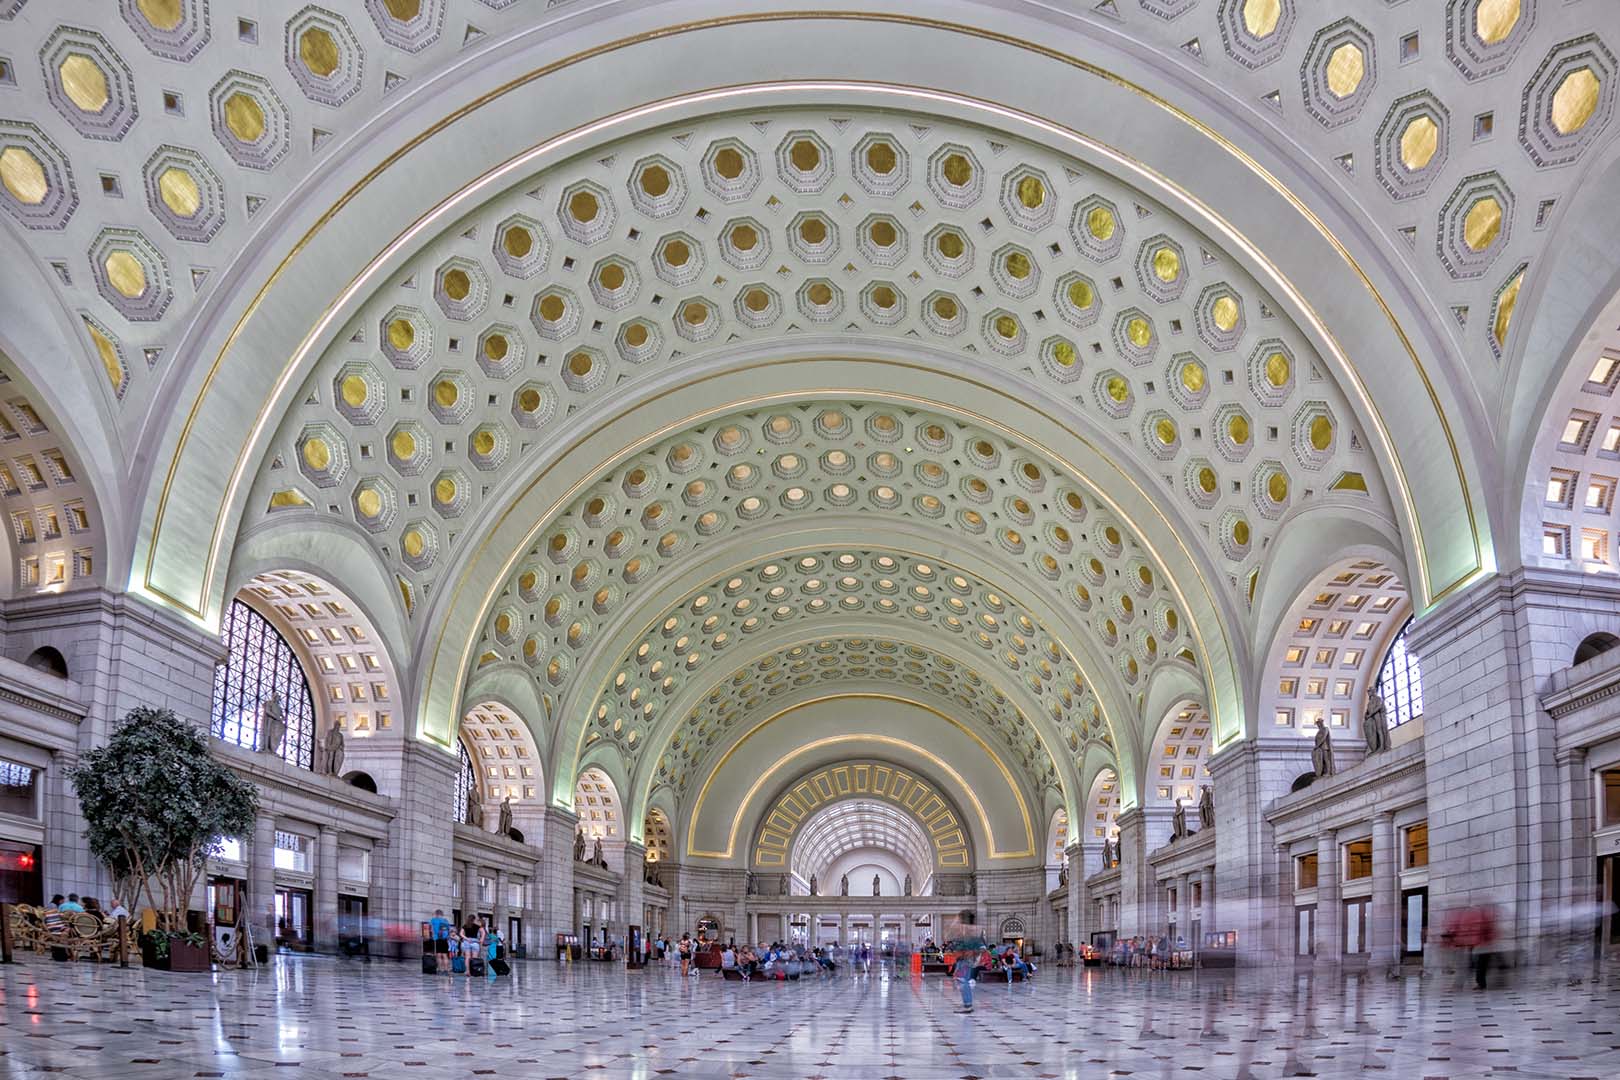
(261, 663)
(466, 781)
(1400, 681)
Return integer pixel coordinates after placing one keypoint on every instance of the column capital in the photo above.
(1570, 756)
(1384, 817)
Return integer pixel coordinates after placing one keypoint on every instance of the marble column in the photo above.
(471, 901)
(323, 924)
(1329, 911)
(843, 931)
(1074, 929)
(753, 928)
(261, 880)
(497, 908)
(1575, 861)
(1283, 943)
(1206, 904)
(1383, 934)
(1184, 908)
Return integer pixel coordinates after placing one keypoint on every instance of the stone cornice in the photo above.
(1404, 763)
(1200, 843)
(314, 790)
(500, 851)
(20, 685)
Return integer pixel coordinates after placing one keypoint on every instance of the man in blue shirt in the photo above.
(439, 931)
(71, 903)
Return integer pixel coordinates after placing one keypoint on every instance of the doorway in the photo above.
(1414, 922)
(1305, 931)
(292, 919)
(351, 924)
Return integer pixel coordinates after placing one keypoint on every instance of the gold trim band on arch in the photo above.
(882, 740)
(295, 358)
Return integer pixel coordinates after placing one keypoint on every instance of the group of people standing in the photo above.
(470, 949)
(1155, 952)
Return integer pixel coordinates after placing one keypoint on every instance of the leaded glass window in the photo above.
(1400, 682)
(260, 664)
(466, 781)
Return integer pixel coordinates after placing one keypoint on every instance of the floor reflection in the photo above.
(335, 1018)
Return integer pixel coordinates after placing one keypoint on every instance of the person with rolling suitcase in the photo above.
(492, 956)
(472, 948)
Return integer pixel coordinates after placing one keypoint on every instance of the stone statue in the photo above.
(475, 810)
(1110, 857)
(813, 891)
(750, 885)
(843, 886)
(877, 885)
(908, 885)
(597, 858)
(1178, 823)
(334, 751)
(1375, 724)
(1063, 876)
(579, 845)
(782, 885)
(1206, 808)
(505, 826)
(1322, 751)
(272, 725)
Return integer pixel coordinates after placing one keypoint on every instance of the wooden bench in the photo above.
(935, 967)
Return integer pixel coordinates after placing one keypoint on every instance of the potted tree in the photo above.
(157, 804)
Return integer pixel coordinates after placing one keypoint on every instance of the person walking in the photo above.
(472, 945)
(685, 948)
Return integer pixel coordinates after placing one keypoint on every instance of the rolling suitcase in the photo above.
(477, 963)
(500, 967)
(430, 965)
(458, 965)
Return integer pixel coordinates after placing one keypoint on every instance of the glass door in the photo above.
(1414, 921)
(1305, 931)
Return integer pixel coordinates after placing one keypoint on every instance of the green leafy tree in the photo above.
(157, 805)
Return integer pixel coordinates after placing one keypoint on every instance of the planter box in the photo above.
(182, 956)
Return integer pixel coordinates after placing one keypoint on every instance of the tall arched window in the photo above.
(260, 664)
(1400, 682)
(466, 781)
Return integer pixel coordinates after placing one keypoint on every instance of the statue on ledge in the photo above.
(333, 747)
(1322, 751)
(908, 886)
(813, 891)
(1206, 808)
(877, 885)
(1178, 823)
(475, 810)
(1110, 856)
(750, 885)
(782, 885)
(579, 845)
(1063, 876)
(272, 726)
(505, 820)
(650, 873)
(1375, 724)
(597, 858)
(843, 886)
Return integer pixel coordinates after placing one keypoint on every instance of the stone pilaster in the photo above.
(555, 882)
(421, 839)
(1493, 781)
(1247, 776)
(497, 910)
(632, 890)
(1075, 929)
(1135, 876)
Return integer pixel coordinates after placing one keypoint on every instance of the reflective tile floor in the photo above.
(318, 1017)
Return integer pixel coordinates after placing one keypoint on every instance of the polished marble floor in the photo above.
(327, 1018)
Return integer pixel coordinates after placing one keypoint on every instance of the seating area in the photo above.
(81, 934)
